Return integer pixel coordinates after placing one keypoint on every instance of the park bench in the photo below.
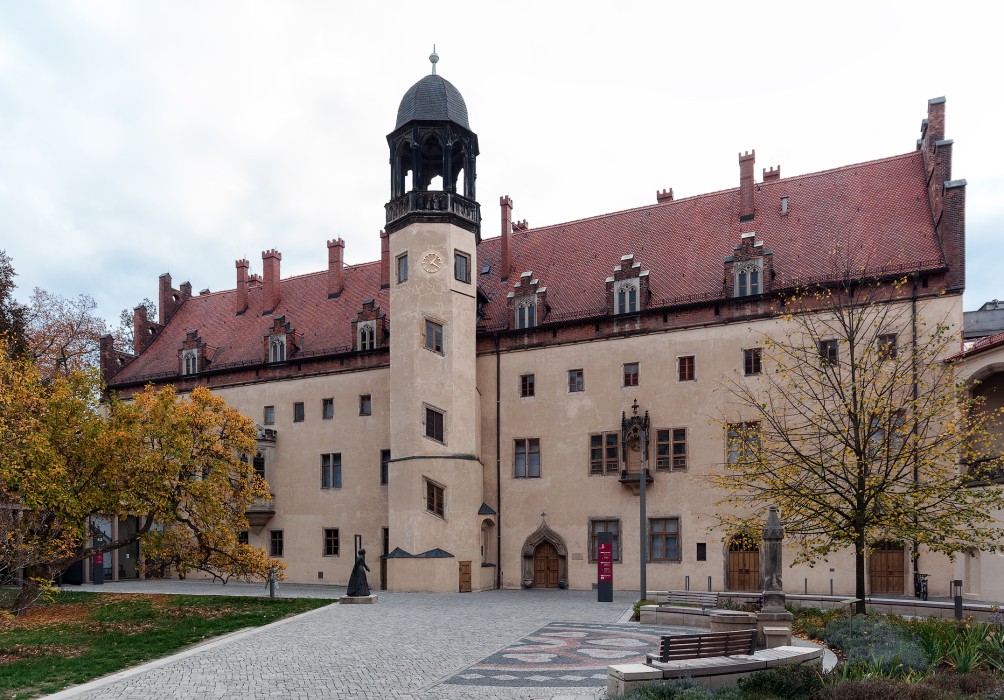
(707, 599)
(706, 644)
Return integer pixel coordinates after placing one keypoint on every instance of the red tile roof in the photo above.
(875, 216)
(986, 343)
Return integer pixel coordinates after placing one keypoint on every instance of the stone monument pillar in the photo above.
(773, 621)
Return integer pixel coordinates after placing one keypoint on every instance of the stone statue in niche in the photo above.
(358, 586)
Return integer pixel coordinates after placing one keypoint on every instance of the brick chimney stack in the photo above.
(506, 204)
(947, 197)
(270, 272)
(384, 260)
(746, 207)
(773, 174)
(242, 286)
(336, 272)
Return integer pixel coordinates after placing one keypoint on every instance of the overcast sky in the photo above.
(138, 138)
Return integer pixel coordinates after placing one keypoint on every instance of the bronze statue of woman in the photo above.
(358, 586)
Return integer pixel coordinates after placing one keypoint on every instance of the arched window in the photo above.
(747, 278)
(526, 313)
(366, 335)
(190, 362)
(627, 298)
(277, 349)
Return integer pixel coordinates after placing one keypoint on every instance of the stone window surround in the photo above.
(593, 531)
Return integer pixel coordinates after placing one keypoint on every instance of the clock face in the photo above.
(431, 262)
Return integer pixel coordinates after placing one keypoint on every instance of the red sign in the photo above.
(99, 559)
(605, 562)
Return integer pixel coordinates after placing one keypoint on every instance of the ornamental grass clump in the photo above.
(876, 647)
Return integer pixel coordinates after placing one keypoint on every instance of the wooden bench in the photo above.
(704, 645)
(706, 599)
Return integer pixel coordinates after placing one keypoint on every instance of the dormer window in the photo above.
(626, 293)
(277, 349)
(748, 278)
(366, 335)
(526, 312)
(190, 362)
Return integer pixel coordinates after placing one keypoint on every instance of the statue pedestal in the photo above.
(358, 599)
(774, 620)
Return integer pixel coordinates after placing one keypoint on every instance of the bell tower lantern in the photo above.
(432, 158)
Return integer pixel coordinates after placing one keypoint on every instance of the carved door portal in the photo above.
(886, 566)
(545, 566)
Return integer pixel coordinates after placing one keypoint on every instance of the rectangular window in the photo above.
(887, 346)
(702, 551)
(384, 467)
(331, 471)
(433, 336)
(242, 537)
(671, 449)
(269, 418)
(298, 412)
(526, 385)
(434, 498)
(331, 544)
(576, 381)
(461, 267)
(365, 405)
(275, 543)
(751, 361)
(434, 424)
(631, 374)
(664, 539)
(828, 352)
(401, 263)
(258, 463)
(327, 409)
(603, 453)
(526, 458)
(598, 526)
(685, 368)
(742, 441)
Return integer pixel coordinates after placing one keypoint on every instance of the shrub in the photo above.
(874, 643)
(784, 682)
(879, 689)
(966, 683)
(637, 608)
(683, 689)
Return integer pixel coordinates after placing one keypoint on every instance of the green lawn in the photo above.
(81, 636)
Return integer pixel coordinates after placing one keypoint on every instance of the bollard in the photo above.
(686, 583)
(271, 583)
(957, 595)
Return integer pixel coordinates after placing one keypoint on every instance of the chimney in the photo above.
(143, 330)
(934, 130)
(664, 196)
(242, 286)
(952, 230)
(384, 260)
(746, 208)
(270, 270)
(506, 204)
(773, 174)
(336, 273)
(165, 299)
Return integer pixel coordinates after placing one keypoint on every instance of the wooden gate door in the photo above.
(744, 570)
(886, 567)
(465, 577)
(545, 566)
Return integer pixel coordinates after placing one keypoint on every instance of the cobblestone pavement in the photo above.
(406, 646)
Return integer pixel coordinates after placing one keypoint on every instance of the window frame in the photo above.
(667, 457)
(742, 441)
(189, 362)
(626, 296)
(432, 411)
(576, 381)
(328, 409)
(752, 361)
(461, 270)
(886, 346)
(276, 545)
(331, 470)
(365, 405)
(530, 447)
(748, 278)
(631, 378)
(829, 352)
(665, 535)
(433, 331)
(277, 349)
(610, 440)
(331, 542)
(401, 268)
(258, 465)
(686, 368)
(435, 498)
(525, 311)
(366, 335)
(268, 417)
(384, 467)
(594, 531)
(527, 385)
(299, 412)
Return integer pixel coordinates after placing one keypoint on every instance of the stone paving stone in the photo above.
(405, 647)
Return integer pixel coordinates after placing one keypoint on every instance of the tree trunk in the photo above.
(29, 593)
(859, 574)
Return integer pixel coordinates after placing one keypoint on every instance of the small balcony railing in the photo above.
(434, 203)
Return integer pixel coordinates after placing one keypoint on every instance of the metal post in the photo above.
(957, 595)
(271, 583)
(643, 477)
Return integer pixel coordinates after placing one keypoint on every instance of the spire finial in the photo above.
(433, 59)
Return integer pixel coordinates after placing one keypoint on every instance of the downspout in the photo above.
(498, 464)
(915, 391)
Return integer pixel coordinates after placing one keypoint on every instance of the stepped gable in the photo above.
(324, 324)
(875, 214)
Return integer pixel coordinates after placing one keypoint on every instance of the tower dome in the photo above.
(433, 98)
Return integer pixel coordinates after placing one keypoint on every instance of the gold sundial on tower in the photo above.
(431, 262)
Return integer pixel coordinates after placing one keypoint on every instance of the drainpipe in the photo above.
(914, 380)
(498, 464)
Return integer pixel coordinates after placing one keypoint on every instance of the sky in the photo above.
(138, 138)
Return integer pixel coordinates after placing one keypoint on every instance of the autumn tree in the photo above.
(63, 333)
(174, 462)
(12, 314)
(857, 430)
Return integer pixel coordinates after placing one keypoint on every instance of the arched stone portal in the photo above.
(545, 558)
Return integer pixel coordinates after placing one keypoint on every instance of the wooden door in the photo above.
(886, 567)
(465, 577)
(545, 566)
(744, 570)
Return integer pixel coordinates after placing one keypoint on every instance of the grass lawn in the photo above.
(81, 636)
